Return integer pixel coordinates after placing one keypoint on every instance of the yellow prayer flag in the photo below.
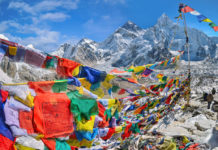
(84, 142)
(39, 136)
(28, 101)
(139, 69)
(86, 84)
(106, 82)
(12, 50)
(177, 57)
(165, 63)
(118, 129)
(80, 89)
(98, 92)
(76, 71)
(131, 67)
(21, 147)
(185, 140)
(148, 65)
(111, 102)
(159, 76)
(206, 20)
(85, 125)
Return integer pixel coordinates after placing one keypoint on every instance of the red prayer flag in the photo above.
(187, 9)
(111, 131)
(9, 43)
(65, 67)
(215, 28)
(52, 115)
(3, 95)
(127, 131)
(168, 99)
(50, 143)
(41, 86)
(26, 121)
(122, 91)
(5, 143)
(134, 98)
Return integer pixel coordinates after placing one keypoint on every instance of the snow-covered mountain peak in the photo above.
(86, 41)
(62, 50)
(129, 25)
(130, 44)
(164, 20)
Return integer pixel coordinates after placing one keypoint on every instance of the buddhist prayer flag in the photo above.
(215, 28)
(206, 20)
(201, 18)
(52, 115)
(196, 13)
(187, 9)
(72, 113)
(147, 72)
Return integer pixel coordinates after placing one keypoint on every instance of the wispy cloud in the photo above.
(3, 26)
(37, 27)
(45, 40)
(43, 6)
(21, 6)
(58, 16)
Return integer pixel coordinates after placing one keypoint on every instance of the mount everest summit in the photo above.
(131, 44)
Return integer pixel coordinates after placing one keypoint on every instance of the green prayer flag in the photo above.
(62, 145)
(108, 114)
(212, 24)
(116, 114)
(59, 87)
(130, 70)
(46, 148)
(115, 88)
(164, 78)
(82, 106)
(162, 85)
(50, 63)
(135, 128)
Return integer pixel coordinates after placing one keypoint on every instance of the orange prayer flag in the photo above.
(116, 71)
(52, 115)
(132, 80)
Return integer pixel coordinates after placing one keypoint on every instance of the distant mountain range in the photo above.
(131, 44)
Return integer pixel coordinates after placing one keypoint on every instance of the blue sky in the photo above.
(48, 23)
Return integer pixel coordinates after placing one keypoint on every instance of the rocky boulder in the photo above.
(8, 67)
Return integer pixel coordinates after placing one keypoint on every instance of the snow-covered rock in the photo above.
(2, 36)
(131, 44)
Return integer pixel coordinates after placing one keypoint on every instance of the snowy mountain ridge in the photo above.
(131, 44)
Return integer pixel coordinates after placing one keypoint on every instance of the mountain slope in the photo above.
(131, 44)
